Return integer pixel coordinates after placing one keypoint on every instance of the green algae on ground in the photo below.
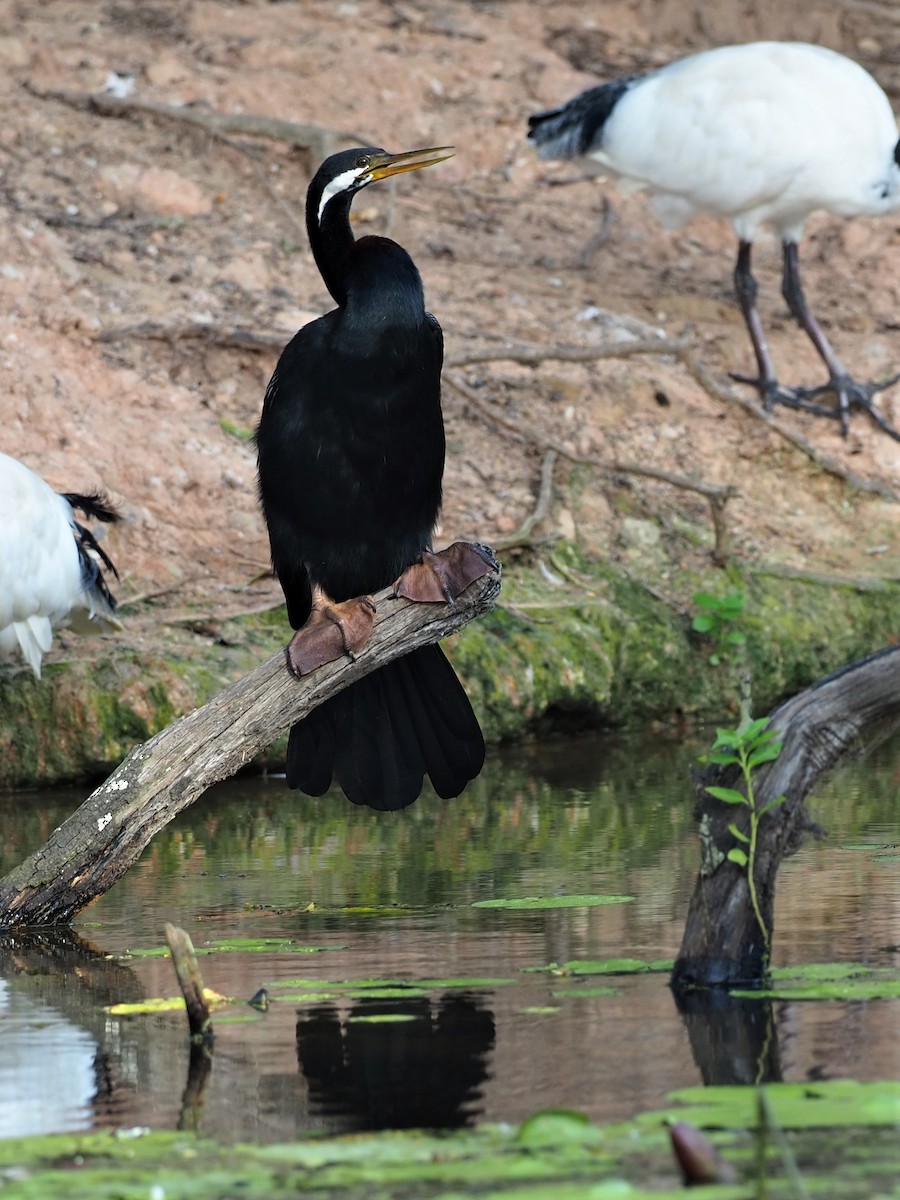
(594, 645)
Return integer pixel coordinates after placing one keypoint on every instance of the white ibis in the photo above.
(51, 567)
(763, 134)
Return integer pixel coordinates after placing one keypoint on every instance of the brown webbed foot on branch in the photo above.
(440, 578)
(331, 631)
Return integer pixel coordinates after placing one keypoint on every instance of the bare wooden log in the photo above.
(184, 960)
(94, 847)
(723, 944)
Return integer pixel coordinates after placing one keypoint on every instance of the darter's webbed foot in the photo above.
(331, 631)
(440, 578)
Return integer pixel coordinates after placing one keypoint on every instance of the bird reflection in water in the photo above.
(422, 1071)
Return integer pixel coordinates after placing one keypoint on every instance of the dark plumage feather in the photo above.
(382, 735)
(576, 128)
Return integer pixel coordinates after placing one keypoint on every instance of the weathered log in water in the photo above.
(187, 971)
(94, 847)
(723, 944)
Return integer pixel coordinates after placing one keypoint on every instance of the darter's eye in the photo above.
(363, 161)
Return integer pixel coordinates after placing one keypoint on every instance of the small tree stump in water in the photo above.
(723, 944)
(184, 960)
(94, 847)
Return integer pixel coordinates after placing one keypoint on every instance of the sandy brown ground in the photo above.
(116, 222)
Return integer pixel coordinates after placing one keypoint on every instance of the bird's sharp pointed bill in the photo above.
(383, 166)
(372, 167)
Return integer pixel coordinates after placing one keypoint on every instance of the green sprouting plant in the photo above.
(747, 747)
(717, 619)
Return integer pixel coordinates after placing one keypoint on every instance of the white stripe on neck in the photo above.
(340, 183)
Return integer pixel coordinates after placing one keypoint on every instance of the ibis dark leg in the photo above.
(845, 388)
(766, 382)
(746, 288)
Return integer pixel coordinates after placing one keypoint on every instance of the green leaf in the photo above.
(727, 795)
(722, 760)
(763, 754)
(738, 833)
(727, 737)
(737, 855)
(707, 600)
(703, 623)
(736, 638)
(751, 732)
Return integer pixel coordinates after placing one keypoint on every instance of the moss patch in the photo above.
(573, 644)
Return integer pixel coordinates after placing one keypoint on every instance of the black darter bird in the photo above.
(351, 459)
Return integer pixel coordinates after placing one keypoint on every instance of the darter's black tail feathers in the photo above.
(383, 734)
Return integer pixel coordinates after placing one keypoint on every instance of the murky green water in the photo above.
(487, 1037)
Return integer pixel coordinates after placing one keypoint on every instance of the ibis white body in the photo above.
(764, 133)
(45, 580)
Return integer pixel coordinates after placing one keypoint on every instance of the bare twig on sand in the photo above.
(522, 535)
(318, 141)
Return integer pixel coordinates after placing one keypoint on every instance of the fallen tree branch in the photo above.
(716, 494)
(722, 943)
(94, 847)
(534, 356)
(522, 536)
(318, 141)
(232, 339)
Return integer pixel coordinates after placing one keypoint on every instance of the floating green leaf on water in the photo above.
(558, 1126)
(331, 985)
(558, 1153)
(530, 902)
(584, 992)
(829, 981)
(310, 997)
(473, 982)
(832, 1103)
(160, 1004)
(264, 945)
(382, 1018)
(608, 966)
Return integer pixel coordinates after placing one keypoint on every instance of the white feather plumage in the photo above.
(763, 133)
(45, 580)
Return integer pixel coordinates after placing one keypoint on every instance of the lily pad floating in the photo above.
(331, 985)
(472, 982)
(531, 902)
(608, 966)
(828, 1104)
(161, 1004)
(829, 981)
(584, 992)
(382, 1018)
(264, 945)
